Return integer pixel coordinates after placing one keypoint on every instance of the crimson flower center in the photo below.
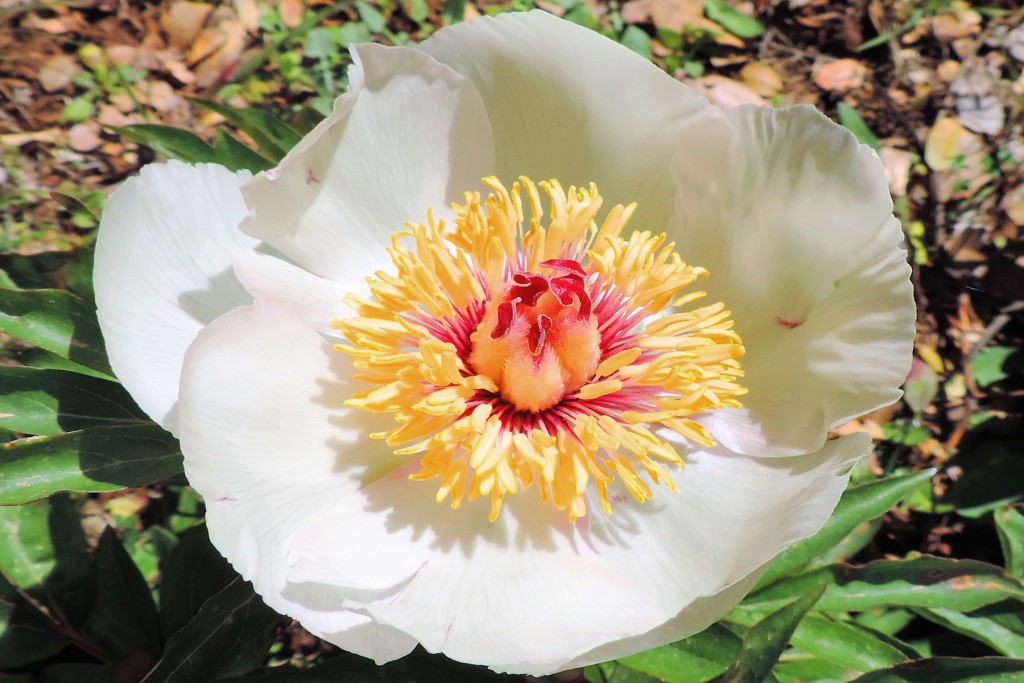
(539, 340)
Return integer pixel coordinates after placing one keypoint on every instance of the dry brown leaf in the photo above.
(291, 12)
(676, 14)
(182, 22)
(1013, 204)
(109, 115)
(948, 70)
(58, 72)
(636, 11)
(84, 137)
(947, 142)
(123, 101)
(959, 156)
(178, 70)
(52, 26)
(218, 65)
(1015, 43)
(157, 94)
(725, 92)
(761, 78)
(961, 23)
(249, 14)
(981, 114)
(722, 37)
(49, 135)
(897, 169)
(841, 76)
(206, 43)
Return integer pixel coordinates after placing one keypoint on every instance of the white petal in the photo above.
(269, 445)
(567, 103)
(316, 300)
(410, 134)
(533, 594)
(163, 272)
(714, 539)
(794, 221)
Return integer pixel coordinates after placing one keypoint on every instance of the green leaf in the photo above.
(274, 137)
(79, 673)
(43, 563)
(34, 401)
(766, 640)
(637, 40)
(987, 366)
(73, 204)
(950, 670)
(193, 574)
(373, 19)
(732, 20)
(235, 155)
(453, 11)
(854, 122)
(990, 457)
(419, 666)
(1010, 526)
(71, 270)
(920, 582)
(1000, 626)
(124, 620)
(886, 620)
(850, 545)
(41, 359)
(171, 142)
(699, 657)
(841, 643)
(229, 636)
(25, 636)
(858, 504)
(806, 669)
(91, 460)
(57, 321)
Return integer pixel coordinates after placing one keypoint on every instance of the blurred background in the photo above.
(92, 90)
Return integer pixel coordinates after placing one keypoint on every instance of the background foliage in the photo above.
(106, 570)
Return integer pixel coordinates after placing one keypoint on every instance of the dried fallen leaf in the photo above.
(636, 11)
(947, 143)
(725, 92)
(221, 63)
(1013, 204)
(206, 43)
(157, 94)
(291, 12)
(1015, 43)
(897, 169)
(959, 155)
(948, 70)
(182, 22)
(761, 78)
(840, 76)
(249, 13)
(49, 135)
(676, 14)
(961, 23)
(84, 137)
(981, 114)
(109, 115)
(58, 72)
(179, 71)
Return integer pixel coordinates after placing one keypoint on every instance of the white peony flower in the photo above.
(511, 429)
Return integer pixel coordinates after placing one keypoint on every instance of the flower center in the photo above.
(539, 341)
(520, 347)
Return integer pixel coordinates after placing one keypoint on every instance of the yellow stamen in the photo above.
(519, 347)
